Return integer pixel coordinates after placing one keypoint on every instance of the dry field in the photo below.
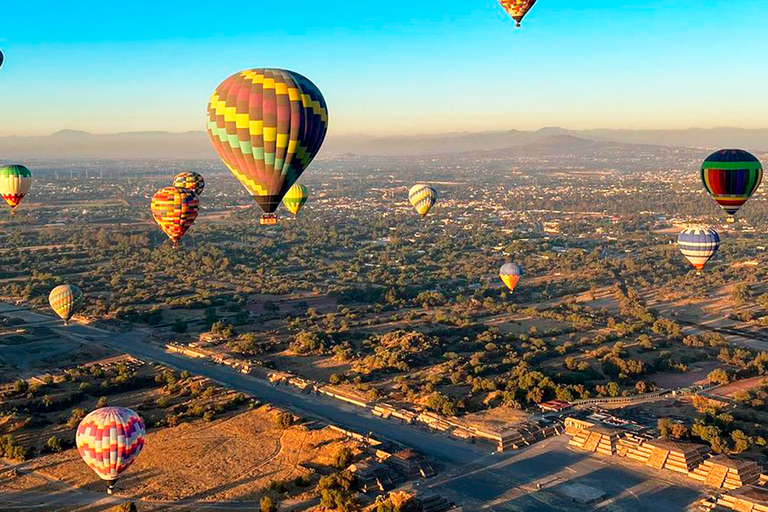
(729, 390)
(229, 460)
(318, 368)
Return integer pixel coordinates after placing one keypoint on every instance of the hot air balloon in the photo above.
(295, 198)
(731, 176)
(2, 58)
(423, 198)
(15, 182)
(510, 274)
(66, 300)
(517, 9)
(191, 181)
(109, 440)
(698, 245)
(174, 210)
(267, 125)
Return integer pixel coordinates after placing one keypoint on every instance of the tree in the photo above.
(335, 491)
(126, 506)
(718, 376)
(741, 441)
(180, 326)
(308, 342)
(102, 402)
(267, 504)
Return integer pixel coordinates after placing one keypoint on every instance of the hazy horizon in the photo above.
(381, 69)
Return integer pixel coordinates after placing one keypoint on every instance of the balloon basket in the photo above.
(268, 219)
(731, 220)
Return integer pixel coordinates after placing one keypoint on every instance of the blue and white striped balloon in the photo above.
(699, 245)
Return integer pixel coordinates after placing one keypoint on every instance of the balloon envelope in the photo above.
(109, 440)
(731, 176)
(510, 274)
(2, 59)
(423, 198)
(517, 8)
(698, 245)
(267, 125)
(295, 199)
(175, 210)
(15, 182)
(66, 300)
(191, 181)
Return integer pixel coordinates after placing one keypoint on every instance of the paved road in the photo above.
(330, 410)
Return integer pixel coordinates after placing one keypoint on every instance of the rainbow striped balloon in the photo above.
(15, 182)
(731, 176)
(174, 210)
(510, 274)
(191, 181)
(295, 199)
(109, 440)
(423, 198)
(66, 300)
(699, 245)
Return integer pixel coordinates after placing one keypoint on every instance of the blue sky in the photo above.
(389, 67)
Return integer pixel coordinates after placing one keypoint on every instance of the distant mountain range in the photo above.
(70, 144)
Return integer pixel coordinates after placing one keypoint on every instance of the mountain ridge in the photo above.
(73, 144)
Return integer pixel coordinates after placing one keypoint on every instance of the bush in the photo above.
(284, 420)
(53, 444)
(10, 448)
(267, 504)
(343, 458)
(75, 417)
(102, 402)
(20, 386)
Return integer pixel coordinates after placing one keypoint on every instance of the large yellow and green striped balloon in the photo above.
(15, 182)
(66, 300)
(295, 199)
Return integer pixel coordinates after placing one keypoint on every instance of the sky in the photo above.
(389, 67)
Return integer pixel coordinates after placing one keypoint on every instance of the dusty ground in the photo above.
(729, 390)
(695, 375)
(318, 368)
(228, 460)
(496, 418)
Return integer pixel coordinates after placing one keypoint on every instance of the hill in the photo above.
(71, 144)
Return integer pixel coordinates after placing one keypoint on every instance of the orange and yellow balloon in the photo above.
(510, 274)
(517, 9)
(175, 210)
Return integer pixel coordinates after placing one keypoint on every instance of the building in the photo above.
(411, 464)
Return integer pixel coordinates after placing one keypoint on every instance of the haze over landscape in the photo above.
(195, 145)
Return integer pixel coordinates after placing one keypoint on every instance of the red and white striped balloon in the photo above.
(109, 440)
